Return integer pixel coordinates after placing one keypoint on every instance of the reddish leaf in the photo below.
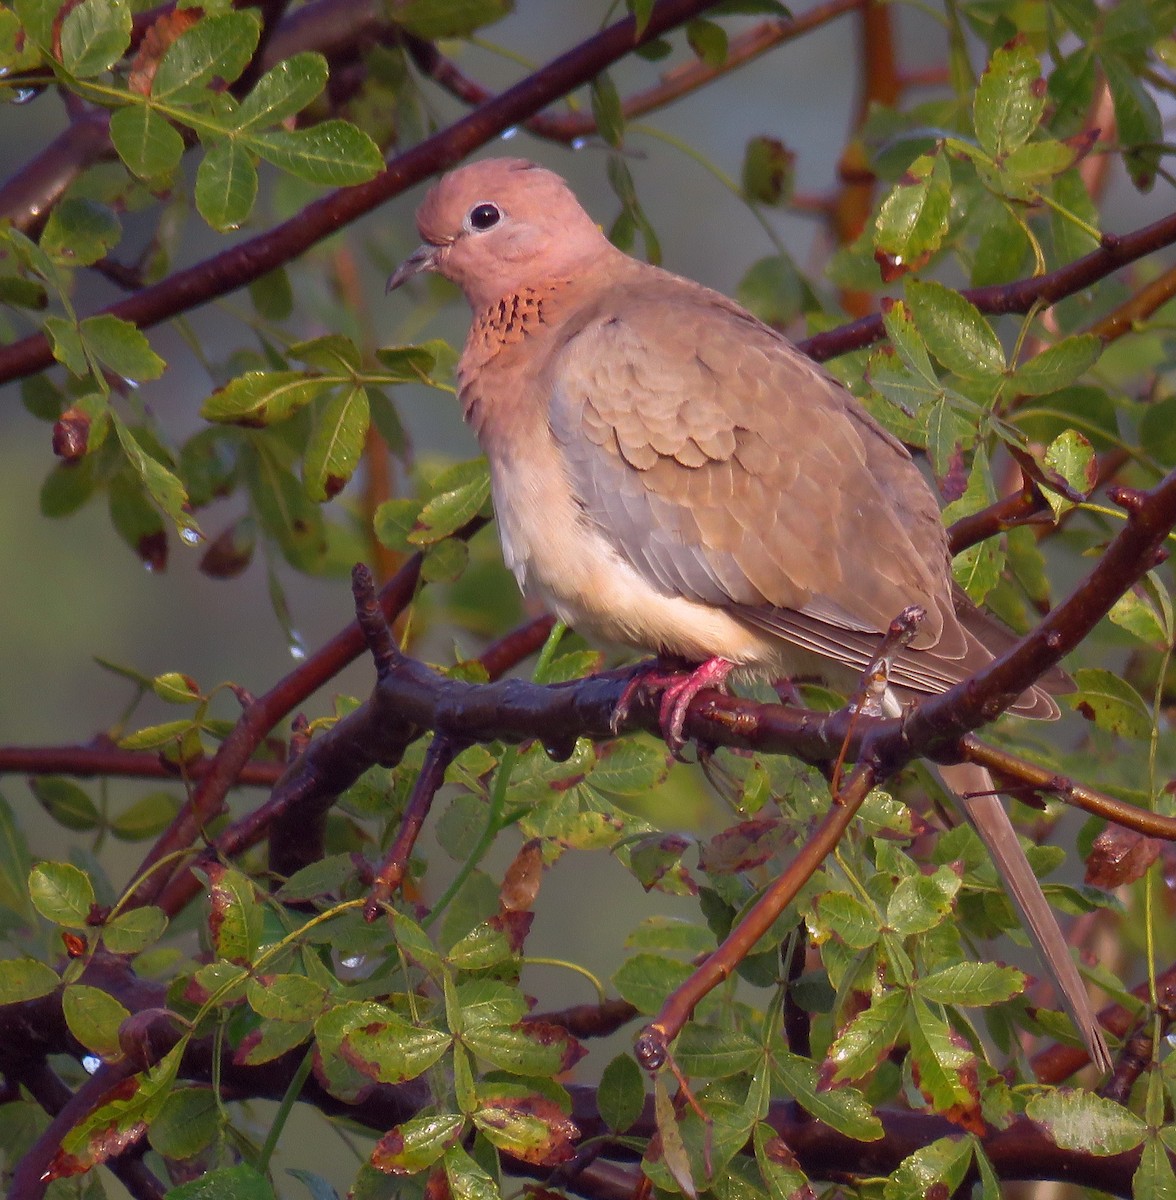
(1120, 856)
(71, 435)
(515, 925)
(155, 44)
(743, 846)
(545, 1033)
(521, 883)
(530, 1127)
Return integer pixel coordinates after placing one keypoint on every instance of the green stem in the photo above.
(293, 1091)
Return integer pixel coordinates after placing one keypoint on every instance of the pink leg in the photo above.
(679, 690)
(677, 697)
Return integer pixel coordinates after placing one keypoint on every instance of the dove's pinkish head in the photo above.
(497, 226)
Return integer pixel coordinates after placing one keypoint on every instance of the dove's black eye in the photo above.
(483, 217)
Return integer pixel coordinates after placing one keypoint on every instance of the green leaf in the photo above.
(630, 767)
(445, 562)
(333, 153)
(907, 341)
(1082, 1120)
(283, 91)
(932, 1170)
(122, 347)
(645, 980)
(219, 46)
(225, 1183)
(525, 1123)
(460, 493)
(94, 1017)
(772, 289)
(606, 109)
(146, 141)
(187, 1123)
(415, 1145)
(484, 946)
(1028, 167)
(434, 19)
(162, 485)
(913, 220)
(334, 353)
(37, 17)
(335, 445)
(391, 1050)
(620, 1097)
(945, 1067)
(320, 878)
(1157, 430)
(25, 979)
(67, 345)
(525, 1048)
(708, 41)
(973, 985)
(1139, 617)
(490, 1002)
(61, 893)
(954, 330)
(779, 1167)
(1010, 99)
(260, 398)
(715, 1053)
(1137, 120)
(1070, 457)
(1002, 252)
(145, 817)
(14, 864)
(1111, 703)
(234, 915)
(79, 232)
(768, 168)
(226, 184)
(133, 931)
(286, 997)
(94, 36)
(849, 919)
(1058, 366)
(920, 902)
(467, 1180)
(977, 568)
(66, 802)
(152, 737)
(417, 364)
(842, 1108)
(869, 1037)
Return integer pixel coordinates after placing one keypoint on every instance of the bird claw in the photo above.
(678, 692)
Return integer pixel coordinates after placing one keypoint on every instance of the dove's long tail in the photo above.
(977, 794)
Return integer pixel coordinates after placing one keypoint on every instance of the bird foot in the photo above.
(677, 693)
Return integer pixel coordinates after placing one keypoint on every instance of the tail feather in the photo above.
(977, 794)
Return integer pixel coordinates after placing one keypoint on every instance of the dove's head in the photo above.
(497, 226)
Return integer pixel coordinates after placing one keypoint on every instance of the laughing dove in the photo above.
(671, 473)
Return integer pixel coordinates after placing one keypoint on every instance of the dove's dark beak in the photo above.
(423, 258)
